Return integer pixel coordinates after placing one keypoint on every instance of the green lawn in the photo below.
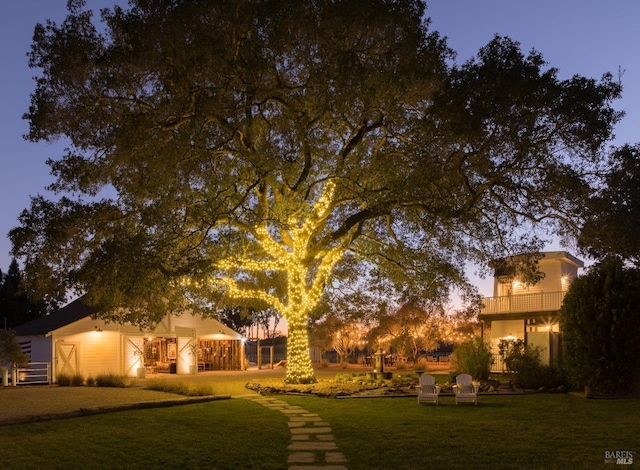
(528, 432)
(228, 434)
(502, 432)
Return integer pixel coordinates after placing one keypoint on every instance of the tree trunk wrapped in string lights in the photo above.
(271, 152)
(291, 250)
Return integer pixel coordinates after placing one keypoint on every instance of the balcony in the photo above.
(523, 303)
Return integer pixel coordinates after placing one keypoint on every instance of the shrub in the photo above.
(519, 357)
(77, 380)
(113, 380)
(472, 357)
(401, 366)
(200, 389)
(64, 380)
(422, 364)
(600, 324)
(10, 351)
(553, 377)
(91, 381)
(340, 378)
(525, 362)
(408, 380)
(191, 389)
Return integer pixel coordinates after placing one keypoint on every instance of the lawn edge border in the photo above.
(113, 409)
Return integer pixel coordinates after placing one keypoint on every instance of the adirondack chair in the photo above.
(428, 390)
(465, 390)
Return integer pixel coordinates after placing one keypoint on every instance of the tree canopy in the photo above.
(267, 149)
(612, 226)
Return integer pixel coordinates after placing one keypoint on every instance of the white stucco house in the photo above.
(72, 341)
(529, 312)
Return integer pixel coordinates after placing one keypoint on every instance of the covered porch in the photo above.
(170, 354)
(536, 329)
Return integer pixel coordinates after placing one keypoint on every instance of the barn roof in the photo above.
(77, 310)
(68, 314)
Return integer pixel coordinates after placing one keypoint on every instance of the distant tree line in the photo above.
(250, 321)
(16, 306)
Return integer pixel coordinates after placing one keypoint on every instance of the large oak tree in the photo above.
(612, 225)
(261, 149)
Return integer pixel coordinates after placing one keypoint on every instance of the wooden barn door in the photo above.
(187, 354)
(133, 347)
(66, 358)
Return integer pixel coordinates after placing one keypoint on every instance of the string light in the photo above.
(307, 270)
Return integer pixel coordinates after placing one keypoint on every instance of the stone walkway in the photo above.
(312, 444)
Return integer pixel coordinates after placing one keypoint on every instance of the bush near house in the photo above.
(102, 380)
(472, 357)
(77, 380)
(70, 380)
(524, 361)
(600, 323)
(64, 380)
(10, 351)
(114, 380)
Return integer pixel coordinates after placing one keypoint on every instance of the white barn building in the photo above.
(73, 342)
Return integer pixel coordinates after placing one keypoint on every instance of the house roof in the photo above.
(72, 312)
(504, 266)
(564, 256)
(77, 310)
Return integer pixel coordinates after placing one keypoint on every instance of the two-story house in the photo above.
(529, 312)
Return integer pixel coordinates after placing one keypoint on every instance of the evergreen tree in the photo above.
(600, 322)
(10, 351)
(16, 307)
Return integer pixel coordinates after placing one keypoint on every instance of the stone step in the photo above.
(312, 445)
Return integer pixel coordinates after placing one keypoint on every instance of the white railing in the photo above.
(537, 302)
(34, 373)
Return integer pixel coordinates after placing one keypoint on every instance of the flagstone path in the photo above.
(312, 444)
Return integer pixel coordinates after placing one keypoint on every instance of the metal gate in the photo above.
(34, 373)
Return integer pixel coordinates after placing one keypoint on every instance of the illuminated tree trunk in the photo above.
(299, 369)
(301, 299)
(293, 250)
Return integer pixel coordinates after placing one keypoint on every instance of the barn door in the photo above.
(186, 338)
(66, 358)
(133, 354)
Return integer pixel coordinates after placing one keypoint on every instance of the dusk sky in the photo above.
(585, 37)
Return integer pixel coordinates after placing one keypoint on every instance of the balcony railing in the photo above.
(537, 302)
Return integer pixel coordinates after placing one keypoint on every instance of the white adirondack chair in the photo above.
(428, 390)
(465, 390)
